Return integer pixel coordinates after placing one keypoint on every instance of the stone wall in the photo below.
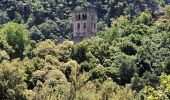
(85, 24)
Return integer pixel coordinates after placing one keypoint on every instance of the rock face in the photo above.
(85, 24)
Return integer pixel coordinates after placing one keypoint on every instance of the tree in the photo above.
(72, 71)
(145, 18)
(161, 92)
(49, 29)
(12, 77)
(138, 83)
(45, 48)
(14, 39)
(54, 86)
(111, 90)
(167, 10)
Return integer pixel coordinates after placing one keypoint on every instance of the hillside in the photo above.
(52, 19)
(128, 59)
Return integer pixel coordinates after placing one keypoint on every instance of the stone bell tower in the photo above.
(85, 24)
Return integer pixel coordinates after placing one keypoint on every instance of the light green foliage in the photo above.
(106, 90)
(145, 18)
(65, 51)
(72, 68)
(161, 2)
(45, 48)
(3, 55)
(55, 85)
(161, 92)
(117, 64)
(110, 90)
(119, 27)
(167, 10)
(14, 38)
(12, 79)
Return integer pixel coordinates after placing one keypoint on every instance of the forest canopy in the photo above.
(128, 59)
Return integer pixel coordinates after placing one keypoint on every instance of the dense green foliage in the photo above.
(13, 39)
(52, 19)
(129, 60)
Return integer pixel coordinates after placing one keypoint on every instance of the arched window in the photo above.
(78, 25)
(84, 16)
(79, 16)
(84, 25)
